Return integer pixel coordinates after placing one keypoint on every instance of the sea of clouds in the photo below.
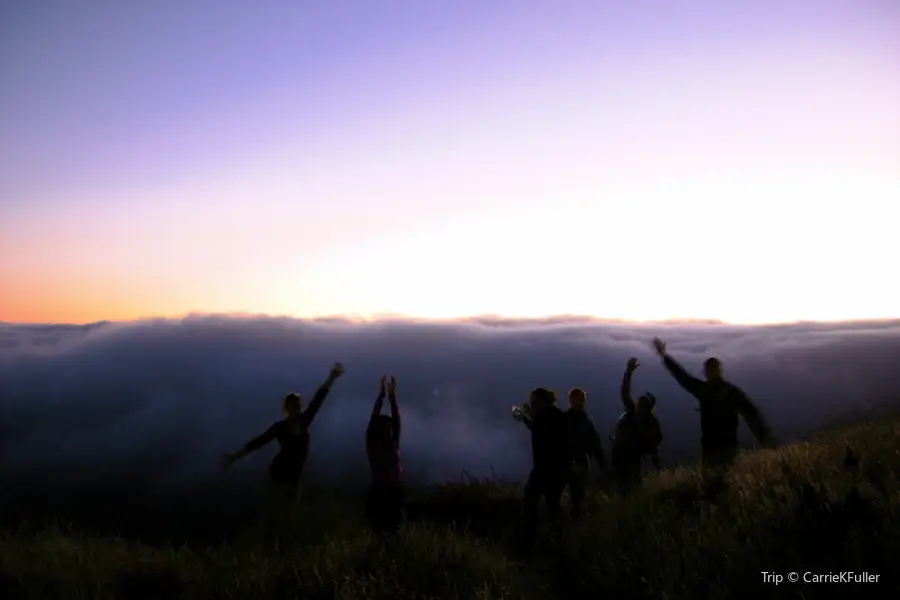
(154, 404)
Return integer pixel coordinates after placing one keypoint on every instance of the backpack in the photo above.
(650, 432)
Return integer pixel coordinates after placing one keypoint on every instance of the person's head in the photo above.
(541, 399)
(292, 405)
(577, 399)
(712, 369)
(646, 403)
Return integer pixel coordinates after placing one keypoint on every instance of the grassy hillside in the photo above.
(801, 508)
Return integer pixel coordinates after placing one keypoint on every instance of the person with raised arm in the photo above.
(721, 405)
(385, 500)
(292, 435)
(638, 433)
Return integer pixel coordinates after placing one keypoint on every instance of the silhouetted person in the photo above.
(385, 501)
(292, 434)
(638, 433)
(720, 405)
(585, 446)
(550, 460)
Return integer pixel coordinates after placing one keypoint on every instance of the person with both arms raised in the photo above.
(385, 501)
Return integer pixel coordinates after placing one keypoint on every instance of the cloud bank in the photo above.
(153, 404)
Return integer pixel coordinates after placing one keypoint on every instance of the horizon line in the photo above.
(486, 318)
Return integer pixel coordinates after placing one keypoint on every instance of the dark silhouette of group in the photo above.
(565, 444)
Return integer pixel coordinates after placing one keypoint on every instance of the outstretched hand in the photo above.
(517, 414)
(633, 364)
(392, 387)
(659, 346)
(337, 370)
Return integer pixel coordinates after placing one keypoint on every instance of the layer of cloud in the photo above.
(154, 404)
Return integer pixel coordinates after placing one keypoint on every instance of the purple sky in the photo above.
(298, 157)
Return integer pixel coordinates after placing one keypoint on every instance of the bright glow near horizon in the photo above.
(514, 161)
(647, 253)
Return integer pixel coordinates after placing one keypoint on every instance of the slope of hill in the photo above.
(804, 508)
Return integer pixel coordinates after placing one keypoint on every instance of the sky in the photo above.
(647, 160)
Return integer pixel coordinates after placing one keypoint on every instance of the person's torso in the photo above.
(549, 439)
(638, 434)
(293, 449)
(580, 434)
(719, 412)
(627, 435)
(385, 464)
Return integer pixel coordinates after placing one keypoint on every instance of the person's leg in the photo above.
(289, 525)
(729, 454)
(371, 509)
(277, 510)
(717, 461)
(637, 471)
(396, 506)
(293, 494)
(553, 490)
(530, 501)
(577, 492)
(708, 456)
(718, 457)
(620, 471)
(269, 520)
(376, 508)
(628, 473)
(291, 501)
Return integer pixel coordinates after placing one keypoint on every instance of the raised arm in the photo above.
(379, 402)
(395, 410)
(690, 383)
(754, 418)
(627, 400)
(313, 409)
